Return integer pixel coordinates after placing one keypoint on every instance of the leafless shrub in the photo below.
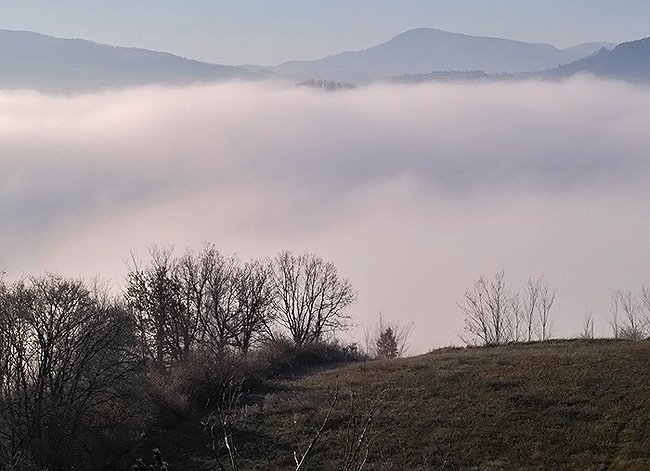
(630, 315)
(488, 310)
(496, 315)
(588, 326)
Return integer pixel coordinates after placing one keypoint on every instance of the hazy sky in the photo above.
(269, 32)
(413, 192)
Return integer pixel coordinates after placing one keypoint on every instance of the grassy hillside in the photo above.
(579, 405)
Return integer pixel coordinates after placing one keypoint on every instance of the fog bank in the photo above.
(412, 191)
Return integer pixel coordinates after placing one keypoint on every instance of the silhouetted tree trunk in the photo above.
(546, 300)
(222, 303)
(255, 298)
(154, 294)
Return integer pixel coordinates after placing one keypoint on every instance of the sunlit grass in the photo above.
(574, 405)
(561, 405)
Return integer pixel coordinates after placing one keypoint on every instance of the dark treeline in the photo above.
(84, 372)
(219, 303)
(69, 370)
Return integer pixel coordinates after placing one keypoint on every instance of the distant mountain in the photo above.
(583, 50)
(36, 61)
(425, 50)
(628, 61)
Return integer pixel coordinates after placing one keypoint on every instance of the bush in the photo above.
(201, 381)
(283, 357)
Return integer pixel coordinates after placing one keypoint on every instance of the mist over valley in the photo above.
(324, 236)
(413, 191)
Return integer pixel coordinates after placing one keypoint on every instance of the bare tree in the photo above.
(488, 310)
(220, 304)
(645, 302)
(310, 298)
(154, 294)
(255, 297)
(614, 321)
(193, 275)
(544, 305)
(66, 363)
(628, 319)
(222, 301)
(531, 304)
(496, 315)
(229, 301)
(518, 318)
(221, 423)
(588, 326)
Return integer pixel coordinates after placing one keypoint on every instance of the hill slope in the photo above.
(629, 61)
(424, 50)
(579, 405)
(35, 61)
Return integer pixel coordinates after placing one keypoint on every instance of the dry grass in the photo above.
(579, 405)
(574, 405)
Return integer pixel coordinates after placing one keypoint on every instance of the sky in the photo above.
(270, 32)
(413, 192)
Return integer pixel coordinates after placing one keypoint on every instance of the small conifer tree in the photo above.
(387, 344)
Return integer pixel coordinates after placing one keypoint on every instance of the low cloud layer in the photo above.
(412, 191)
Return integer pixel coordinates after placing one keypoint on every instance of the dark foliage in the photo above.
(283, 357)
(328, 85)
(158, 464)
(387, 344)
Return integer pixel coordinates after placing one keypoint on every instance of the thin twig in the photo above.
(333, 402)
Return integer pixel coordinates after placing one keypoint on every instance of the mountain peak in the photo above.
(423, 32)
(639, 45)
(424, 50)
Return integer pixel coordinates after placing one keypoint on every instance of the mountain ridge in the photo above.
(629, 61)
(31, 60)
(42, 62)
(422, 50)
